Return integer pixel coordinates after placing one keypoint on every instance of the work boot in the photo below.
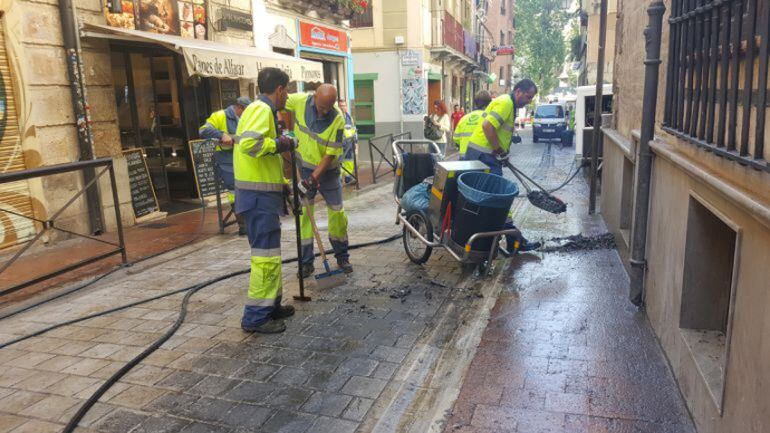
(269, 327)
(345, 265)
(529, 246)
(307, 270)
(282, 312)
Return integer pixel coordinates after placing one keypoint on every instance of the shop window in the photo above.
(708, 292)
(363, 109)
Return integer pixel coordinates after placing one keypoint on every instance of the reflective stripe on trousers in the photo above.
(331, 191)
(263, 227)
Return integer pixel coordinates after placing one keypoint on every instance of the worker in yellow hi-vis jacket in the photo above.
(259, 186)
(319, 126)
(221, 126)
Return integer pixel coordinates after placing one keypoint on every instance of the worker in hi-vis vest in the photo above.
(222, 126)
(259, 189)
(349, 144)
(468, 123)
(492, 138)
(320, 126)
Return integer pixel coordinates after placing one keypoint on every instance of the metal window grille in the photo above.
(717, 77)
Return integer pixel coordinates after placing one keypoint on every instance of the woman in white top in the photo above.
(440, 118)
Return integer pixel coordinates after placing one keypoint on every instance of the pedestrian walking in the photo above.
(440, 120)
(259, 189)
(320, 127)
(457, 115)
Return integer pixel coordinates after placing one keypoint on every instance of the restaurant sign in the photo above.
(210, 63)
(315, 36)
(235, 19)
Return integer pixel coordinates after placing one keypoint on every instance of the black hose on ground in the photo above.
(73, 422)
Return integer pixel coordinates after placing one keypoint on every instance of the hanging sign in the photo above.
(503, 50)
(312, 35)
(235, 19)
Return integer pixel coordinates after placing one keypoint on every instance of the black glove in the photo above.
(285, 143)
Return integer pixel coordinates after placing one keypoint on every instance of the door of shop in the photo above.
(149, 96)
(14, 197)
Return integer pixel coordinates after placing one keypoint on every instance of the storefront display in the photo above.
(186, 18)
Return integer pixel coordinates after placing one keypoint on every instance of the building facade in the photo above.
(590, 19)
(707, 245)
(153, 71)
(499, 27)
(407, 55)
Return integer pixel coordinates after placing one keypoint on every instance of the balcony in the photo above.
(335, 10)
(451, 42)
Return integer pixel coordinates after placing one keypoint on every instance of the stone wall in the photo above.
(47, 119)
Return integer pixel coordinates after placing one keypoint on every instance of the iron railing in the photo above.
(718, 49)
(382, 153)
(50, 223)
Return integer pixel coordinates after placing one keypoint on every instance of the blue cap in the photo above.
(243, 101)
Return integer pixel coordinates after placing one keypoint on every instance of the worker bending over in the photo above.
(349, 144)
(320, 127)
(470, 121)
(259, 186)
(221, 126)
(491, 140)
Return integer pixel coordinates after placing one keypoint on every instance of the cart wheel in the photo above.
(417, 251)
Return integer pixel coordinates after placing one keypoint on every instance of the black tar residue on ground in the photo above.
(605, 241)
(546, 202)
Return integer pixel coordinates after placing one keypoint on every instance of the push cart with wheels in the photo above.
(415, 161)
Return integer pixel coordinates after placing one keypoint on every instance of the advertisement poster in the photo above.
(186, 18)
(159, 16)
(414, 92)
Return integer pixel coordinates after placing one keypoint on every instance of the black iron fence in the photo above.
(51, 222)
(717, 77)
(382, 145)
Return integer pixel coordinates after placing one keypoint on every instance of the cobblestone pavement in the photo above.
(388, 352)
(368, 356)
(564, 350)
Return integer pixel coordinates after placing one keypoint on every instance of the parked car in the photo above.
(549, 122)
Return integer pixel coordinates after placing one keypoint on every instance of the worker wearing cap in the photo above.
(349, 142)
(468, 123)
(320, 126)
(221, 126)
(491, 139)
(259, 186)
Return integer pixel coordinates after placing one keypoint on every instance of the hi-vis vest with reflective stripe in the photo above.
(349, 138)
(314, 146)
(257, 165)
(465, 128)
(218, 121)
(501, 114)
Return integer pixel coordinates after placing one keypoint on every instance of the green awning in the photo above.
(434, 76)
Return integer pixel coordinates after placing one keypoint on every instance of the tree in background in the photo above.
(540, 45)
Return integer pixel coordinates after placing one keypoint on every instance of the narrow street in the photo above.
(548, 343)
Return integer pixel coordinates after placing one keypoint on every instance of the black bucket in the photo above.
(482, 206)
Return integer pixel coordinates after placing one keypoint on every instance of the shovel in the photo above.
(539, 198)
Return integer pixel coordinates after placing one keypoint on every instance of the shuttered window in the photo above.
(14, 196)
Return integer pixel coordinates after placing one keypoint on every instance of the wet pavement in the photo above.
(564, 349)
(548, 343)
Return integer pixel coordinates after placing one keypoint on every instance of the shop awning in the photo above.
(213, 59)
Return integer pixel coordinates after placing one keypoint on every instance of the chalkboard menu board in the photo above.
(142, 193)
(202, 152)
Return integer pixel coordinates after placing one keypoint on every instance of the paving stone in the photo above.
(385, 370)
(37, 426)
(72, 385)
(199, 427)
(8, 422)
(288, 422)
(334, 425)
(214, 386)
(246, 416)
(390, 354)
(49, 408)
(136, 396)
(291, 376)
(357, 409)
(216, 365)
(20, 400)
(161, 424)
(182, 380)
(359, 366)
(328, 404)
(251, 392)
(323, 361)
(10, 376)
(364, 387)
(210, 409)
(287, 397)
(86, 366)
(325, 381)
(147, 375)
(255, 371)
(289, 357)
(174, 403)
(120, 421)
